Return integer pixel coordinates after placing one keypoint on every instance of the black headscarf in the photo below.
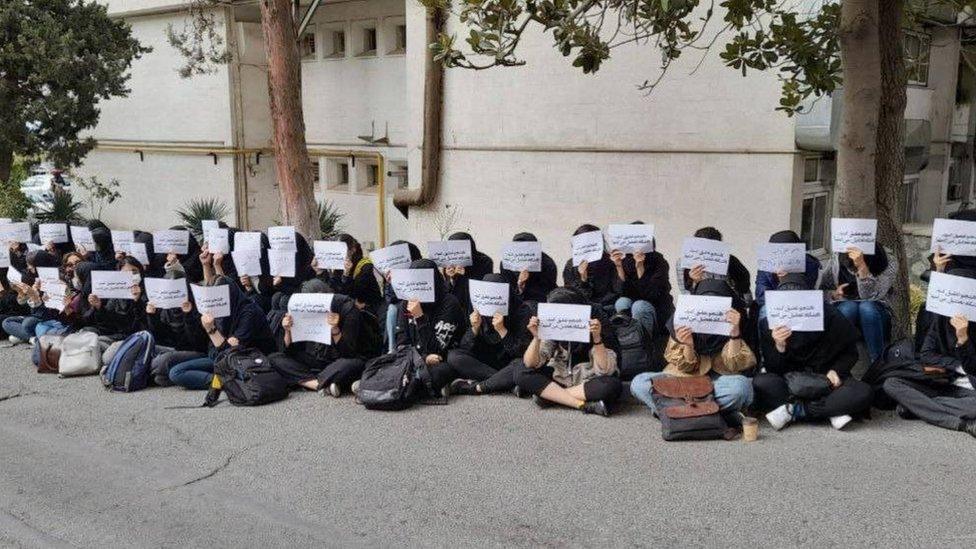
(440, 286)
(847, 272)
(785, 237)
(712, 344)
(481, 263)
(514, 299)
(246, 321)
(817, 351)
(539, 284)
(738, 275)
(157, 262)
(414, 250)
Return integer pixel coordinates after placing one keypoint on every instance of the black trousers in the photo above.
(946, 406)
(459, 365)
(535, 380)
(852, 398)
(343, 371)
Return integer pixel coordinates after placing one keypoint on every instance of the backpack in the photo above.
(898, 360)
(687, 409)
(80, 355)
(248, 378)
(129, 369)
(393, 381)
(635, 346)
(46, 353)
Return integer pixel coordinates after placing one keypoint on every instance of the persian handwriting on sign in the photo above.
(853, 233)
(953, 236)
(800, 310)
(391, 257)
(587, 247)
(713, 255)
(166, 293)
(774, 257)
(112, 284)
(247, 262)
(563, 322)
(48, 275)
(171, 242)
(703, 314)
(212, 300)
(81, 236)
(309, 314)
(52, 232)
(331, 255)
(218, 240)
(522, 256)
(413, 284)
(489, 298)
(450, 253)
(55, 295)
(281, 263)
(631, 238)
(122, 239)
(15, 232)
(282, 238)
(949, 295)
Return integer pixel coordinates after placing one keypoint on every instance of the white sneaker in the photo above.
(335, 390)
(780, 417)
(32, 340)
(15, 340)
(355, 387)
(839, 422)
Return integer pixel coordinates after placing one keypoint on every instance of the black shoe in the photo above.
(464, 387)
(970, 427)
(597, 407)
(440, 400)
(904, 413)
(541, 402)
(517, 391)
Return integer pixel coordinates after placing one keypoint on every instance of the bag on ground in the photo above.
(80, 355)
(248, 378)
(687, 409)
(807, 385)
(636, 346)
(46, 353)
(394, 381)
(129, 368)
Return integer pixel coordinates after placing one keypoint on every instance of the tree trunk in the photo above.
(890, 160)
(854, 195)
(292, 165)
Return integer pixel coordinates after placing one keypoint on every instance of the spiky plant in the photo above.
(62, 208)
(330, 219)
(196, 211)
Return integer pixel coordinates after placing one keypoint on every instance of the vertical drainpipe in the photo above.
(239, 159)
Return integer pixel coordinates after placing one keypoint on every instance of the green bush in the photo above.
(62, 208)
(13, 203)
(198, 210)
(330, 219)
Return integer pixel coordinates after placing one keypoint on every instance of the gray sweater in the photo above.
(872, 288)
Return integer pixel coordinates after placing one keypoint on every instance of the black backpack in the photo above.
(394, 381)
(249, 379)
(635, 344)
(687, 409)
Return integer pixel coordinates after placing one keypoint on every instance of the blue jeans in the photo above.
(21, 327)
(193, 374)
(732, 392)
(391, 319)
(872, 318)
(50, 327)
(640, 310)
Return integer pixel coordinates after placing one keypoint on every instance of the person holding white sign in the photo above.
(457, 276)
(769, 280)
(357, 279)
(21, 328)
(176, 331)
(808, 374)
(644, 286)
(390, 316)
(287, 285)
(582, 376)
(595, 280)
(722, 358)
(737, 276)
(533, 286)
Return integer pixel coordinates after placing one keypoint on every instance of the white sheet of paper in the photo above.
(208, 225)
(247, 240)
(711, 254)
(212, 300)
(81, 236)
(247, 262)
(31, 247)
(4, 257)
(488, 298)
(450, 253)
(949, 295)
(171, 241)
(218, 241)
(5, 220)
(54, 296)
(704, 314)
(563, 322)
(391, 257)
(631, 238)
(281, 262)
(138, 251)
(330, 254)
(166, 293)
(773, 257)
(519, 256)
(413, 284)
(15, 232)
(309, 314)
(48, 276)
(587, 247)
(122, 239)
(112, 284)
(52, 232)
(800, 310)
(952, 236)
(282, 238)
(853, 233)
(14, 276)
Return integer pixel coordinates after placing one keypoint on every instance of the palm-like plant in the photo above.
(197, 210)
(330, 219)
(62, 208)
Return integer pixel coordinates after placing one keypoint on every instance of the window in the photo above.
(400, 39)
(917, 49)
(953, 184)
(369, 40)
(307, 44)
(339, 44)
(815, 221)
(909, 198)
(372, 176)
(811, 169)
(338, 174)
(316, 173)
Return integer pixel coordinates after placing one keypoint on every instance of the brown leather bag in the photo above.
(50, 354)
(696, 392)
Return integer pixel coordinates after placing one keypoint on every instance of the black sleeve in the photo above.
(844, 362)
(931, 351)
(571, 279)
(351, 327)
(774, 361)
(655, 285)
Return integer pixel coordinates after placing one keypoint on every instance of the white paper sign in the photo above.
(5, 220)
(14, 276)
(122, 239)
(15, 232)
(450, 253)
(853, 233)
(281, 262)
(413, 284)
(31, 247)
(391, 257)
(309, 314)
(282, 238)
(489, 298)
(563, 322)
(218, 241)
(138, 251)
(212, 300)
(247, 262)
(631, 238)
(55, 295)
(166, 293)
(112, 284)
(171, 242)
(949, 295)
(4, 256)
(330, 255)
(247, 241)
(587, 247)
(952, 236)
(713, 255)
(81, 236)
(52, 232)
(800, 310)
(704, 314)
(774, 257)
(522, 256)
(48, 276)
(208, 225)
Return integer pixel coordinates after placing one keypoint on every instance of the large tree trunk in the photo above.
(855, 196)
(292, 165)
(890, 160)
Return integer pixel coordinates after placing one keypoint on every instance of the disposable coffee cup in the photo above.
(750, 429)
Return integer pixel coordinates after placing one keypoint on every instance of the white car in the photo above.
(39, 188)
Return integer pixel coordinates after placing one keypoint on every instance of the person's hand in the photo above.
(534, 327)
(475, 319)
(498, 323)
(781, 334)
(136, 291)
(287, 322)
(961, 325)
(857, 257)
(218, 258)
(333, 319)
(246, 283)
(233, 341)
(448, 272)
(697, 273)
(780, 275)
(49, 246)
(186, 307)
(733, 317)
(838, 293)
(941, 260)
(119, 256)
(315, 267)
(276, 281)
(389, 277)
(523, 279)
(347, 270)
(80, 248)
(834, 379)
(596, 331)
(205, 256)
(13, 246)
(617, 257)
(432, 360)
(207, 321)
(150, 308)
(21, 288)
(685, 336)
(94, 301)
(414, 308)
(584, 270)
(459, 270)
(639, 257)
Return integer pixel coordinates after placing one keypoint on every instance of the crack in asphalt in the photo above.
(227, 461)
(18, 394)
